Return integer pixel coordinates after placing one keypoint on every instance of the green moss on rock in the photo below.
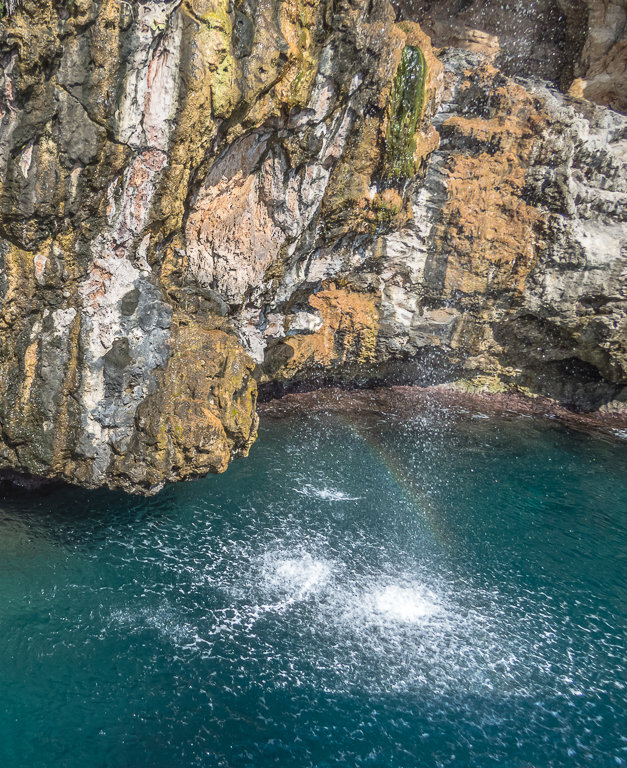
(406, 108)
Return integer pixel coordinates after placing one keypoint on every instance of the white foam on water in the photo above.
(410, 605)
(298, 576)
(369, 627)
(326, 494)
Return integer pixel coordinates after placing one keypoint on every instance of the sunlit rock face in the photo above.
(160, 164)
(200, 195)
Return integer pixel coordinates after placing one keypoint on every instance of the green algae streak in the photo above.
(406, 108)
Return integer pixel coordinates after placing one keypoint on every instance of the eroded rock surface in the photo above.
(200, 195)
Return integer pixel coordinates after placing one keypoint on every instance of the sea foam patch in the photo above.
(325, 494)
(295, 575)
(405, 604)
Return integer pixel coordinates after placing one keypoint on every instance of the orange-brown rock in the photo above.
(345, 344)
(487, 230)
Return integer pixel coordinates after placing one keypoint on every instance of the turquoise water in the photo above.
(430, 592)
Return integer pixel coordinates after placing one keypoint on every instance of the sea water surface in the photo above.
(359, 592)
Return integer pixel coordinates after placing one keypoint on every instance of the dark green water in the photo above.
(438, 592)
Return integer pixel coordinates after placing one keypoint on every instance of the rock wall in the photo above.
(580, 45)
(198, 196)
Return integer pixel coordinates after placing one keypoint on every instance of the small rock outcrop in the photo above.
(200, 196)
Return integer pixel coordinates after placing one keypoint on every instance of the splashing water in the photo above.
(297, 576)
(404, 604)
(326, 494)
(432, 592)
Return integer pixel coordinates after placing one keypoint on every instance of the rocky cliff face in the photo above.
(200, 195)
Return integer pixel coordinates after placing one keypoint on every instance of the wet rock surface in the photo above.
(578, 44)
(197, 196)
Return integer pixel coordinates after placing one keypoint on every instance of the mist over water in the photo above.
(360, 591)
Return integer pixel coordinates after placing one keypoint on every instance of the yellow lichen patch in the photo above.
(297, 19)
(202, 415)
(215, 40)
(29, 370)
(480, 385)
(19, 271)
(346, 340)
